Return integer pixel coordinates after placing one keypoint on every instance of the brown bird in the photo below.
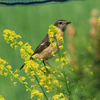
(44, 50)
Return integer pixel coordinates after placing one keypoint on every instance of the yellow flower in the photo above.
(55, 81)
(53, 53)
(54, 35)
(15, 83)
(25, 83)
(61, 47)
(57, 60)
(17, 70)
(16, 47)
(9, 66)
(26, 89)
(12, 77)
(16, 75)
(22, 78)
(32, 80)
(12, 45)
(20, 43)
(47, 91)
(59, 97)
(33, 86)
(36, 93)
(10, 36)
(54, 44)
(3, 61)
(5, 74)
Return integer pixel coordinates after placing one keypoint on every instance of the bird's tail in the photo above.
(22, 66)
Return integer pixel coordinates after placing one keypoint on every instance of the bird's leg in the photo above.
(48, 63)
(44, 63)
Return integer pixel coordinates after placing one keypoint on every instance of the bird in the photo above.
(44, 50)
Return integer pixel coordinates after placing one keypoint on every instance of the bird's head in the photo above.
(61, 24)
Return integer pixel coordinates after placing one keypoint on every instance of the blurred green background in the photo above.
(32, 22)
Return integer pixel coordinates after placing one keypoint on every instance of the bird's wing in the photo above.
(44, 44)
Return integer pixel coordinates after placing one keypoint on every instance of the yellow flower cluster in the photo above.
(37, 94)
(22, 78)
(59, 97)
(3, 67)
(15, 83)
(25, 50)
(1, 98)
(11, 37)
(54, 35)
(64, 61)
(31, 65)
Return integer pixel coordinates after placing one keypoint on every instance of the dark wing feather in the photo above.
(44, 44)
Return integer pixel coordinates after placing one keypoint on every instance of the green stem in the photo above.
(18, 79)
(67, 86)
(41, 88)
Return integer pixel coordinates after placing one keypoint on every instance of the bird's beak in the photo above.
(68, 22)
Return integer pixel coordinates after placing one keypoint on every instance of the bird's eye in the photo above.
(60, 22)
